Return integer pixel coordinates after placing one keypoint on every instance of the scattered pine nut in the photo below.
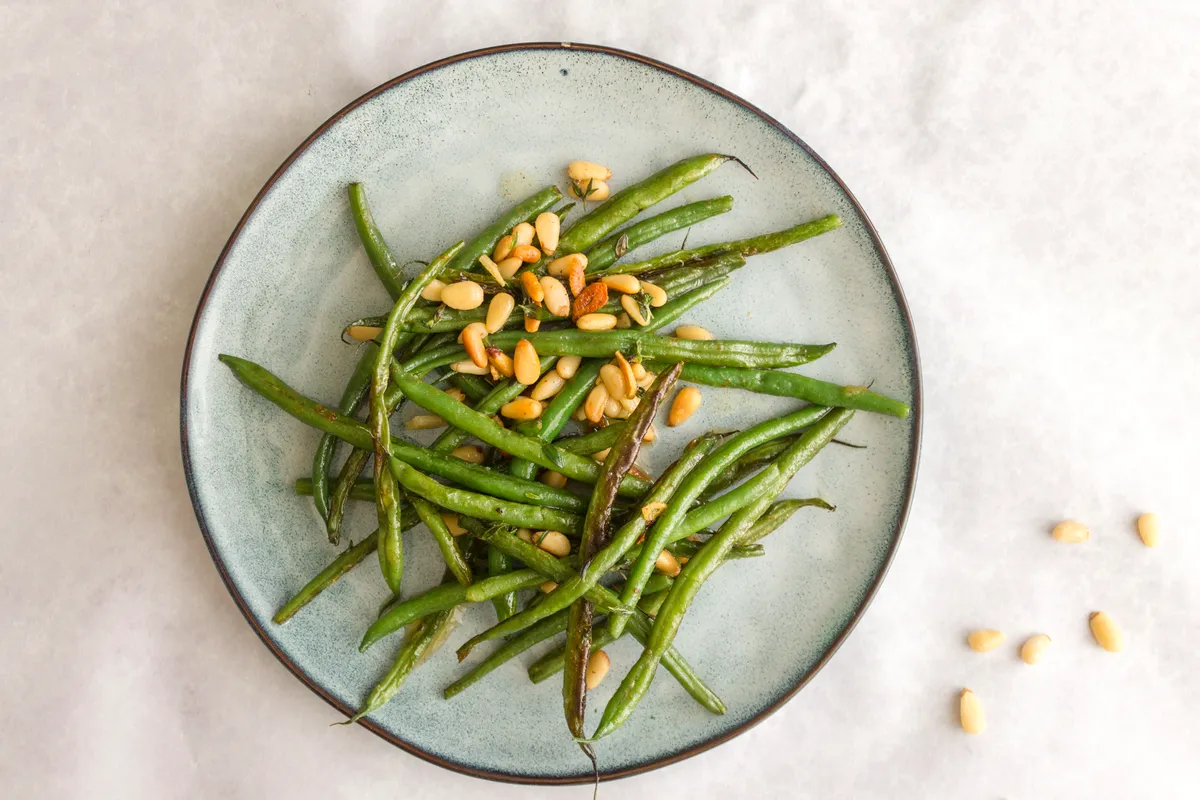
(559, 267)
(548, 587)
(425, 422)
(457, 393)
(692, 332)
(600, 455)
(1034, 647)
(433, 290)
(522, 408)
(627, 375)
(527, 367)
(499, 310)
(503, 248)
(613, 408)
(591, 190)
(363, 333)
(451, 521)
(525, 534)
(614, 382)
(596, 322)
(686, 402)
(527, 253)
(631, 308)
(557, 301)
(567, 366)
(591, 299)
(667, 564)
(468, 367)
(547, 225)
(629, 404)
(492, 269)
(983, 640)
(471, 453)
(532, 287)
(624, 323)
(651, 435)
(509, 266)
(639, 370)
(471, 338)
(554, 543)
(597, 667)
(658, 295)
(580, 415)
(553, 479)
(551, 384)
(463, 296)
(970, 712)
(593, 406)
(1071, 532)
(1106, 632)
(652, 511)
(523, 234)
(576, 278)
(1148, 529)
(501, 364)
(586, 170)
(647, 380)
(532, 324)
(627, 284)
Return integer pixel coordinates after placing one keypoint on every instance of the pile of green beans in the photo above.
(493, 522)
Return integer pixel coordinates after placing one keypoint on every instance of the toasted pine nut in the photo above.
(667, 564)
(658, 295)
(1106, 633)
(451, 521)
(970, 712)
(500, 362)
(472, 341)
(463, 296)
(1071, 532)
(593, 406)
(626, 374)
(622, 283)
(494, 373)
(1148, 528)
(646, 381)
(631, 308)
(629, 404)
(527, 367)
(468, 368)
(529, 283)
(686, 402)
(596, 322)
(499, 310)
(509, 266)
(597, 667)
(583, 170)
(363, 333)
(433, 290)
(503, 248)
(577, 279)
(639, 370)
(580, 415)
(651, 435)
(527, 253)
(550, 385)
(490, 267)
(983, 640)
(1031, 651)
(651, 511)
(600, 455)
(471, 453)
(552, 478)
(692, 332)
(547, 226)
(554, 543)
(594, 191)
(425, 422)
(613, 381)
(547, 587)
(532, 324)
(567, 365)
(624, 323)
(559, 267)
(523, 234)
(558, 302)
(457, 393)
(613, 408)
(525, 534)
(522, 408)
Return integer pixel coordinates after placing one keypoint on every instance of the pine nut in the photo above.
(471, 338)
(622, 283)
(647, 381)
(550, 385)
(1031, 651)
(532, 324)
(970, 712)
(433, 290)
(652, 511)
(463, 296)
(1148, 529)
(558, 302)
(525, 535)
(363, 333)
(686, 403)
(1071, 532)
(499, 310)
(593, 406)
(577, 279)
(547, 226)
(600, 455)
(559, 267)
(490, 267)
(631, 308)
(533, 289)
(554, 479)
(984, 640)
(494, 373)
(658, 295)
(527, 253)
(554, 543)
(597, 667)
(613, 382)
(457, 394)
(503, 248)
(593, 190)
(567, 365)
(613, 408)
(585, 170)
(523, 234)
(629, 404)
(1106, 633)
(522, 408)
(667, 564)
(639, 370)
(547, 587)
(651, 435)
(509, 266)
(451, 521)
(596, 322)
(468, 368)
(591, 299)
(425, 422)
(471, 453)
(499, 361)
(624, 323)
(626, 374)
(692, 332)
(527, 367)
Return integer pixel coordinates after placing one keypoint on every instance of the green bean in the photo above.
(484, 427)
(775, 516)
(355, 393)
(553, 662)
(608, 251)
(594, 441)
(690, 489)
(485, 242)
(344, 487)
(748, 463)
(475, 387)
(791, 384)
(498, 564)
(380, 256)
(652, 602)
(637, 681)
(753, 246)
(631, 201)
(685, 548)
(534, 635)
(456, 562)
(500, 394)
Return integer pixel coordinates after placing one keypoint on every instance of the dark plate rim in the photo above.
(466, 769)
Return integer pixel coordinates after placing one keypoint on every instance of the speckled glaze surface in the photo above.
(293, 273)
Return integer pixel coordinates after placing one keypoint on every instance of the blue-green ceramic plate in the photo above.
(442, 150)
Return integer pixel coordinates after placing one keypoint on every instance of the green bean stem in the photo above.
(606, 252)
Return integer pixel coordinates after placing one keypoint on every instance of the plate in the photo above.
(442, 150)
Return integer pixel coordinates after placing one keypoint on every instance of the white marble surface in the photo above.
(1033, 169)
